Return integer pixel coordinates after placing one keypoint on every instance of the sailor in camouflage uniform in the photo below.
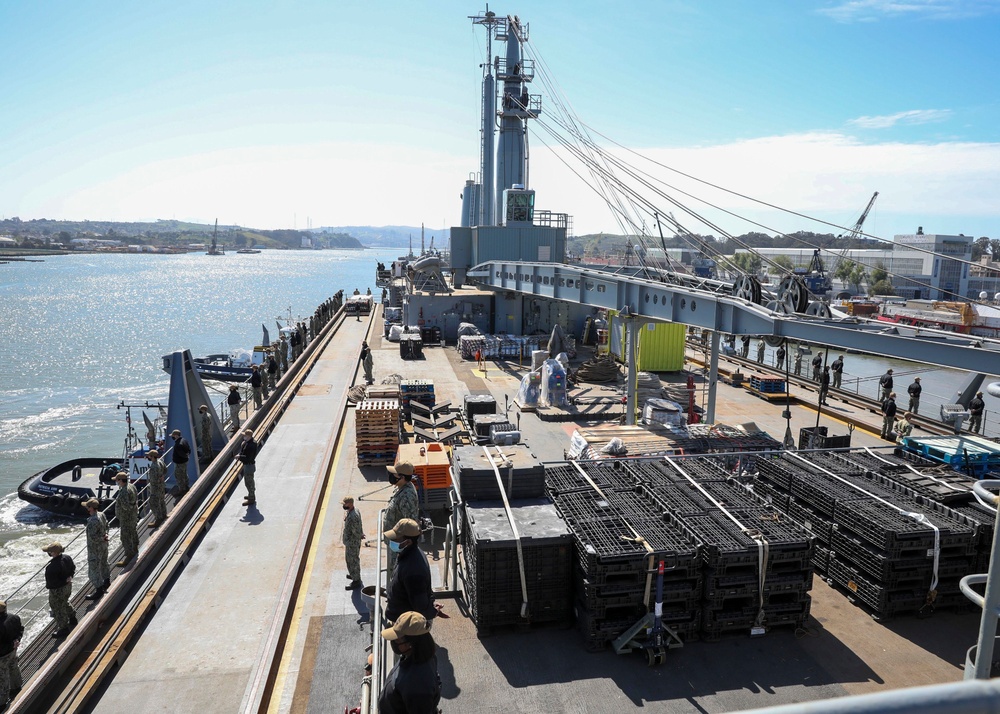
(207, 454)
(404, 503)
(353, 535)
(283, 354)
(59, 582)
(272, 368)
(156, 475)
(127, 513)
(98, 569)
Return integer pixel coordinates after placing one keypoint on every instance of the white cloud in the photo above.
(945, 187)
(872, 10)
(273, 187)
(829, 176)
(913, 116)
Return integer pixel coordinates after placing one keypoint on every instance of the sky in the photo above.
(291, 113)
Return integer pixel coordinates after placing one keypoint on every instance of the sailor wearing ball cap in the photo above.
(98, 569)
(412, 685)
(410, 585)
(404, 502)
(59, 582)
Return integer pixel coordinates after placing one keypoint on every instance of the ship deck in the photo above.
(208, 646)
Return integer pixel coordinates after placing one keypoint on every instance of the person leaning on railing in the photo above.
(11, 631)
(59, 582)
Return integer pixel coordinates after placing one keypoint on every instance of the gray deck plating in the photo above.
(199, 651)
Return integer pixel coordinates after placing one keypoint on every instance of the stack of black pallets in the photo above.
(521, 473)
(620, 539)
(881, 557)
(478, 404)
(713, 584)
(493, 568)
(739, 592)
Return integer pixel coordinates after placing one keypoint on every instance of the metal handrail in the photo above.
(40, 572)
(378, 644)
(990, 602)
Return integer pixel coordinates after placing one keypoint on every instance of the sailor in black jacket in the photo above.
(11, 631)
(59, 582)
(248, 457)
(180, 455)
(413, 685)
(410, 586)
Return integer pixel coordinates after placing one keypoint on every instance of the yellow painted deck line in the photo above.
(858, 424)
(293, 627)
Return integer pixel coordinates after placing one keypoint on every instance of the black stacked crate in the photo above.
(735, 596)
(476, 480)
(567, 478)
(984, 521)
(881, 558)
(492, 566)
(481, 423)
(478, 404)
(614, 566)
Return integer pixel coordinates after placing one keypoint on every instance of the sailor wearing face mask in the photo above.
(413, 685)
(404, 502)
(410, 586)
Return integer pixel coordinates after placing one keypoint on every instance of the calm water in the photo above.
(80, 333)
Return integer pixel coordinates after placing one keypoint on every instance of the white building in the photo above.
(915, 269)
(943, 278)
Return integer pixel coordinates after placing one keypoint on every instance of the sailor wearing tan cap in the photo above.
(410, 584)
(156, 477)
(404, 502)
(98, 569)
(127, 515)
(59, 582)
(354, 533)
(413, 684)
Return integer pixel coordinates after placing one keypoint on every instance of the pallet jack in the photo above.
(649, 634)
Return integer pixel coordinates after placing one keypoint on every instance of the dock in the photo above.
(255, 615)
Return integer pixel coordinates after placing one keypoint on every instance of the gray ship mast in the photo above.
(483, 201)
(516, 107)
(480, 199)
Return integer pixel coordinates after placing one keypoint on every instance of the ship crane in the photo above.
(856, 230)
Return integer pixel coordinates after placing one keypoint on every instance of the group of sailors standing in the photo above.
(413, 685)
(61, 569)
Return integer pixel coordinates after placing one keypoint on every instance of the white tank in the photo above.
(983, 295)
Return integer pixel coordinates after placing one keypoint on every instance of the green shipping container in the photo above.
(661, 344)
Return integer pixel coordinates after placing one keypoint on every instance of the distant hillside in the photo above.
(42, 232)
(602, 244)
(393, 236)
